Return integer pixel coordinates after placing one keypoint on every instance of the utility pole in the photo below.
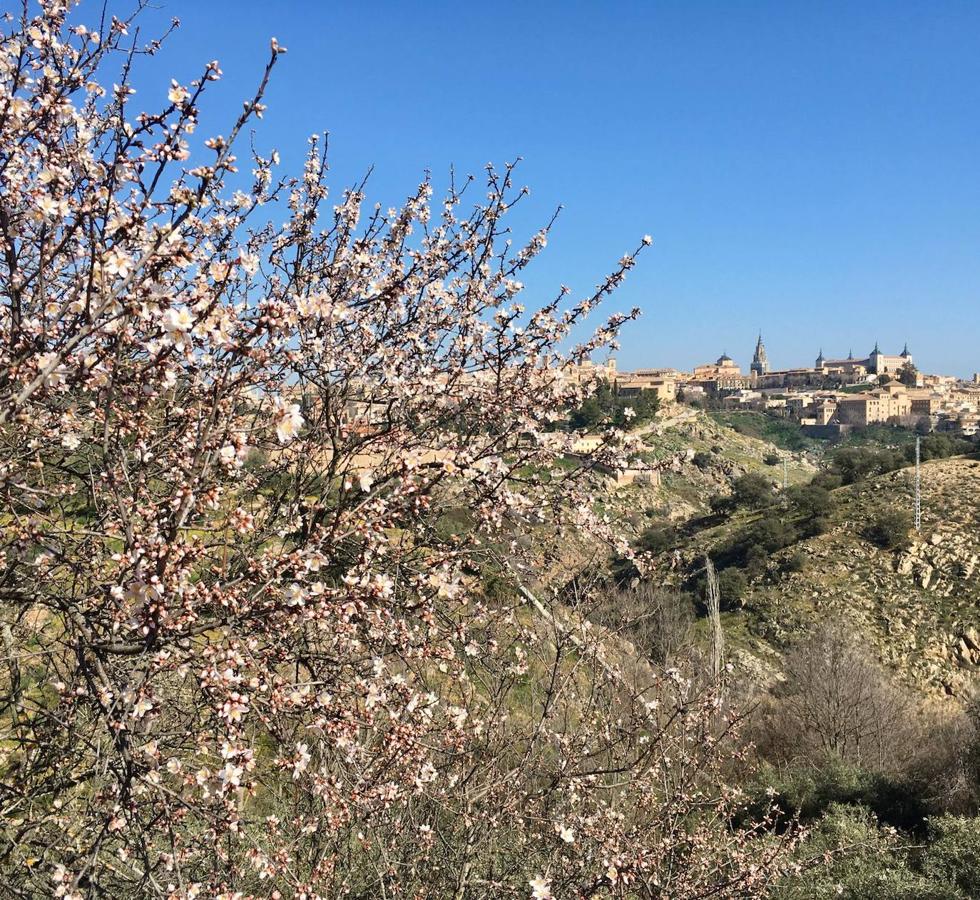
(717, 645)
(918, 484)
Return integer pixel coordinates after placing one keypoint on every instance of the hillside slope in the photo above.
(703, 456)
(917, 608)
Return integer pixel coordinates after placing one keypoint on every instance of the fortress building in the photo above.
(876, 363)
(850, 369)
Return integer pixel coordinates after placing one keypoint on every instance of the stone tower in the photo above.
(874, 360)
(760, 362)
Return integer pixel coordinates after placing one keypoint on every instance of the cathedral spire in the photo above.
(760, 360)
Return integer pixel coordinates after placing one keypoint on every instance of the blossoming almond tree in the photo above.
(256, 475)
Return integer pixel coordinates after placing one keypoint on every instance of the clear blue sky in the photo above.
(812, 169)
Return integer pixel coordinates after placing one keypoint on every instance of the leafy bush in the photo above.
(939, 446)
(890, 529)
(771, 535)
(860, 861)
(829, 481)
(814, 527)
(953, 854)
(854, 464)
(605, 406)
(732, 584)
(756, 561)
(255, 461)
(658, 538)
(809, 500)
(752, 490)
(702, 459)
(795, 563)
(754, 543)
(720, 504)
(810, 792)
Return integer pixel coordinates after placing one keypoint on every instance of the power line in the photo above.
(918, 484)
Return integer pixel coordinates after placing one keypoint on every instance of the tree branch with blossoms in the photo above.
(258, 482)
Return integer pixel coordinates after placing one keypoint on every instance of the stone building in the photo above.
(852, 370)
(925, 405)
(876, 363)
(721, 376)
(663, 382)
(588, 371)
(723, 367)
(873, 407)
(848, 370)
(790, 378)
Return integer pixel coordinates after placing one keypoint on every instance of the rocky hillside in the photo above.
(701, 457)
(918, 607)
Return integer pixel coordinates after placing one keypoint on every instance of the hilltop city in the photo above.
(828, 399)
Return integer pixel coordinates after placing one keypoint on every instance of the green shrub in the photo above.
(771, 535)
(795, 563)
(810, 792)
(720, 504)
(756, 542)
(829, 481)
(658, 538)
(702, 459)
(810, 500)
(752, 491)
(732, 585)
(606, 407)
(855, 464)
(817, 526)
(953, 853)
(255, 460)
(890, 529)
(756, 561)
(851, 857)
(939, 446)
